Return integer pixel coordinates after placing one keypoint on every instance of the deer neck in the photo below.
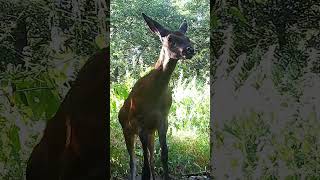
(165, 66)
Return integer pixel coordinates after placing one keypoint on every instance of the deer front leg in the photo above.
(162, 131)
(130, 143)
(151, 150)
(144, 137)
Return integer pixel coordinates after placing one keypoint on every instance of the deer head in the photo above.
(175, 45)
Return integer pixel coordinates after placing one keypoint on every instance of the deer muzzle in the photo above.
(188, 52)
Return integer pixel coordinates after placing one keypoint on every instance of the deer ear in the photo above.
(183, 27)
(155, 27)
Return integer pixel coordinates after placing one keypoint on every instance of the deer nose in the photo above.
(190, 50)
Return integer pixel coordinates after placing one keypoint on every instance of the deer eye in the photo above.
(172, 41)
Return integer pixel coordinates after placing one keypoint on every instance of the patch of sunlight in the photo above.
(181, 113)
(199, 17)
(185, 134)
(180, 4)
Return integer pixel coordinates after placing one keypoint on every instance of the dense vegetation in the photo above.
(265, 89)
(134, 51)
(43, 45)
(264, 93)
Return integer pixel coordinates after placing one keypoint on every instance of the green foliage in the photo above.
(263, 52)
(134, 47)
(43, 46)
(134, 50)
(45, 43)
(237, 13)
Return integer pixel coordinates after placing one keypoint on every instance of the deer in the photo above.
(146, 109)
(74, 144)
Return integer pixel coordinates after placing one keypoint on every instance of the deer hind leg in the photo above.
(151, 150)
(144, 138)
(162, 131)
(130, 143)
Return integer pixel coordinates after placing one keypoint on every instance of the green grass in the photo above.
(256, 146)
